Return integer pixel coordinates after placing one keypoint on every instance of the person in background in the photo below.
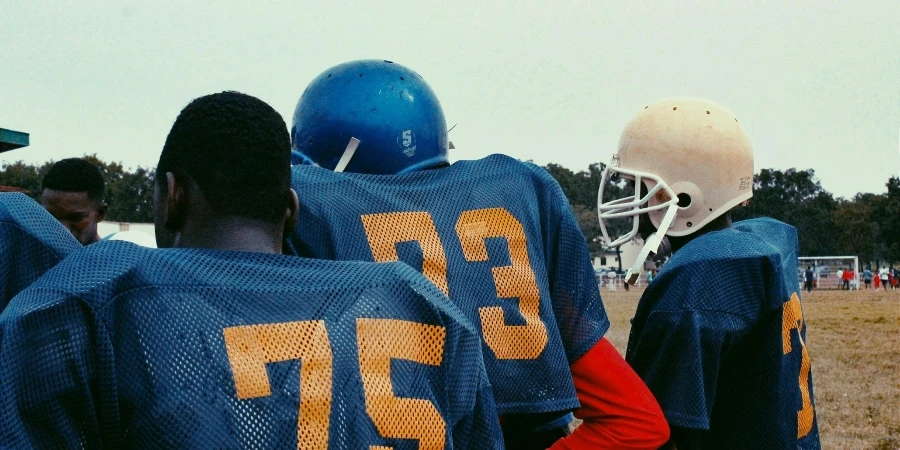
(840, 278)
(884, 274)
(867, 277)
(809, 278)
(73, 192)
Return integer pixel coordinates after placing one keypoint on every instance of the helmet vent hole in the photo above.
(707, 112)
(689, 224)
(735, 119)
(684, 200)
(360, 75)
(389, 62)
(674, 108)
(329, 75)
(646, 106)
(401, 78)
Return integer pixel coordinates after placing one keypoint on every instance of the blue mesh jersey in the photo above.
(31, 242)
(498, 236)
(719, 338)
(122, 346)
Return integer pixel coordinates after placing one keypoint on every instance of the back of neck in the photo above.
(722, 222)
(231, 233)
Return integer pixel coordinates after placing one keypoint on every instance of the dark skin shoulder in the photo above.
(184, 219)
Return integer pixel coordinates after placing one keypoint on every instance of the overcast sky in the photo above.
(816, 86)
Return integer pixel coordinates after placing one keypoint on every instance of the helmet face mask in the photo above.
(657, 198)
(388, 108)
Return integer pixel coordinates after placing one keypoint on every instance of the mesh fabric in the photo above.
(31, 242)
(123, 346)
(498, 236)
(719, 339)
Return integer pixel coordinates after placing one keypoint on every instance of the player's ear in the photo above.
(101, 211)
(290, 214)
(175, 203)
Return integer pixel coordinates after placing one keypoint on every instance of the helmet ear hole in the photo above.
(684, 200)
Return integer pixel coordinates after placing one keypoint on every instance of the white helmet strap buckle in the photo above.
(652, 245)
(348, 153)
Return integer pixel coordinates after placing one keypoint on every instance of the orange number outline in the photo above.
(792, 319)
(251, 347)
(379, 341)
(516, 280)
(385, 230)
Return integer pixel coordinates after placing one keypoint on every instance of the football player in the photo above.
(719, 335)
(31, 242)
(222, 342)
(72, 190)
(496, 235)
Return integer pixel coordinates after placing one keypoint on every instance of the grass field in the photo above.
(854, 343)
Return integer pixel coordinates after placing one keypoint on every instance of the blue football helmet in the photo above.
(388, 108)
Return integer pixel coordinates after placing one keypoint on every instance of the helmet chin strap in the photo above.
(348, 153)
(653, 245)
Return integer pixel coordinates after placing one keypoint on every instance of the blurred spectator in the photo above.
(809, 278)
(849, 274)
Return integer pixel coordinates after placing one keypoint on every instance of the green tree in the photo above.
(129, 194)
(581, 190)
(795, 197)
(25, 176)
(856, 234)
(889, 221)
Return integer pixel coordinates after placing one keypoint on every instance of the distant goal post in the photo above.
(825, 269)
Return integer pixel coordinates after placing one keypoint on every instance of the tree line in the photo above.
(867, 225)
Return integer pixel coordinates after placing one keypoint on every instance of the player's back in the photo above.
(31, 242)
(185, 348)
(498, 236)
(719, 338)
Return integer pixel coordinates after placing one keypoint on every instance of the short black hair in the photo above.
(237, 149)
(75, 175)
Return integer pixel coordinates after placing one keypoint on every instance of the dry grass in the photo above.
(854, 343)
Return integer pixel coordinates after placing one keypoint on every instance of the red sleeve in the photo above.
(618, 410)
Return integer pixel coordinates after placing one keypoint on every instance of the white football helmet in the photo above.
(694, 160)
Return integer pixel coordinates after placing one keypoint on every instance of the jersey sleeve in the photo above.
(49, 367)
(32, 238)
(679, 354)
(577, 305)
(480, 428)
(617, 408)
